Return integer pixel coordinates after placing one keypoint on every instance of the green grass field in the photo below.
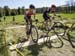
(20, 18)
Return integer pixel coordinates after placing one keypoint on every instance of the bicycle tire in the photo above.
(71, 34)
(56, 42)
(59, 29)
(34, 34)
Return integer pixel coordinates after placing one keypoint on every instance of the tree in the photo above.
(41, 10)
(19, 11)
(1, 12)
(70, 5)
(13, 12)
(23, 10)
(6, 11)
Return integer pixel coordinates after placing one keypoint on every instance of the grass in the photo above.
(20, 18)
(17, 18)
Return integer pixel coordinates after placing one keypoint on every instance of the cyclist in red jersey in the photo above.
(28, 14)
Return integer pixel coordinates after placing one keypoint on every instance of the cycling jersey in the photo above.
(30, 12)
(46, 15)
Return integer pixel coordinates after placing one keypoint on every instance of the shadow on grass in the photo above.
(35, 49)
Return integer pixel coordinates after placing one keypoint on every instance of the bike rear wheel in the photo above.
(57, 43)
(54, 40)
(71, 35)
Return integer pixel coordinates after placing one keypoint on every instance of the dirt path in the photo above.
(66, 50)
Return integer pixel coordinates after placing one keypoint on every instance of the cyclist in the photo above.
(46, 16)
(54, 11)
(28, 13)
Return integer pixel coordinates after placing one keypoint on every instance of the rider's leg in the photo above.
(30, 20)
(46, 23)
(51, 20)
(27, 32)
(27, 27)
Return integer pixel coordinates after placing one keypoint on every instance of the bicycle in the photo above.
(33, 31)
(58, 30)
(51, 30)
(70, 35)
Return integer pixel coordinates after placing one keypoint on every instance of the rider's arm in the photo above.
(34, 16)
(48, 14)
(34, 13)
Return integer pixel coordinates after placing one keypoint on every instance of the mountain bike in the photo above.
(70, 35)
(33, 31)
(54, 29)
(57, 29)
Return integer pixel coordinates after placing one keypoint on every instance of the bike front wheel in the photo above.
(34, 34)
(59, 29)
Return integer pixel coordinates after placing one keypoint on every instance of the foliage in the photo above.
(3, 47)
(6, 11)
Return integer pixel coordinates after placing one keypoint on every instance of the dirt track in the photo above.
(66, 50)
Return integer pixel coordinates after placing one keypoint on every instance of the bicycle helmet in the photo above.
(53, 6)
(32, 6)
